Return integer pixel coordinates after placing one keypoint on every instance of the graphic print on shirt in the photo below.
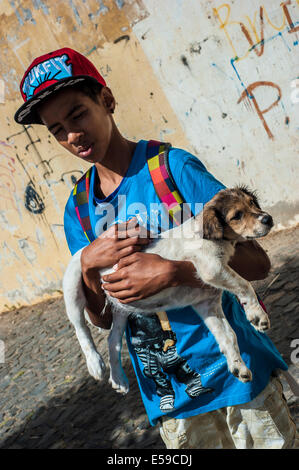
(155, 344)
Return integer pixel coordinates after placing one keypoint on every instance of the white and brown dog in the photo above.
(208, 240)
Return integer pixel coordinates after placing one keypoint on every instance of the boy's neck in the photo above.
(115, 165)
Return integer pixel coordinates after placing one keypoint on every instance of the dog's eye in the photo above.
(238, 216)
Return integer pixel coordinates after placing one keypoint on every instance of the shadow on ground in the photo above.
(48, 400)
(281, 299)
(83, 417)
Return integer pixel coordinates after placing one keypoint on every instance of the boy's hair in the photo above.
(92, 90)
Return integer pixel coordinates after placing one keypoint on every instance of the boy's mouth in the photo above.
(85, 151)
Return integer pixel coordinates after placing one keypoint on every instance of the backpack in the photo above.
(157, 159)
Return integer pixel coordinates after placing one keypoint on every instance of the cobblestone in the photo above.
(48, 400)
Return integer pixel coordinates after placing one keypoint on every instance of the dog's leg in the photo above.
(118, 378)
(211, 313)
(75, 302)
(226, 278)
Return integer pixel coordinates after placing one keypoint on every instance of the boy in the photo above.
(184, 383)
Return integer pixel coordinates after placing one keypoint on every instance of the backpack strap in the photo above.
(80, 198)
(165, 187)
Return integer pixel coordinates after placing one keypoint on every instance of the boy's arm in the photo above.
(250, 261)
(95, 296)
(144, 274)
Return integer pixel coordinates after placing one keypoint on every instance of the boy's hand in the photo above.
(118, 241)
(141, 275)
(138, 276)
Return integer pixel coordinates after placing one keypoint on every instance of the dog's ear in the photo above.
(252, 194)
(212, 224)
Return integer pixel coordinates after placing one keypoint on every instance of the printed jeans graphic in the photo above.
(154, 343)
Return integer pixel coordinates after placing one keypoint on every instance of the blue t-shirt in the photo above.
(194, 360)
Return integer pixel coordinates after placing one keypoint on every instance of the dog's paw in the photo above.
(119, 383)
(240, 371)
(258, 318)
(261, 323)
(96, 366)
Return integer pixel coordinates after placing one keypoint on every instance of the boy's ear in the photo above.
(212, 224)
(108, 98)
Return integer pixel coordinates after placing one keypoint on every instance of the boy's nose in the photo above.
(73, 137)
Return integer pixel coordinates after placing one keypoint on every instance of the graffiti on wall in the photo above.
(255, 41)
(34, 197)
(38, 178)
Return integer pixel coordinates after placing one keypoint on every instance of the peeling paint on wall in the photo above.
(42, 25)
(218, 79)
(227, 69)
(27, 250)
(36, 175)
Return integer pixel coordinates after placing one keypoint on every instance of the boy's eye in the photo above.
(78, 116)
(56, 132)
(238, 216)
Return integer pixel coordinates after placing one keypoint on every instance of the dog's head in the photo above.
(235, 214)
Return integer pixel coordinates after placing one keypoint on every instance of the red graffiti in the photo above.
(288, 16)
(249, 38)
(248, 93)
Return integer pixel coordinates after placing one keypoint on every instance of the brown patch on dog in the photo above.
(212, 225)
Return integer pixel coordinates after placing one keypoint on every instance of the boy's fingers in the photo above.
(115, 286)
(133, 242)
(126, 261)
(128, 229)
(124, 296)
(127, 251)
(131, 223)
(139, 231)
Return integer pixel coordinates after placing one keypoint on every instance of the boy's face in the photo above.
(80, 125)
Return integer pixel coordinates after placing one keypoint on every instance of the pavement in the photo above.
(49, 401)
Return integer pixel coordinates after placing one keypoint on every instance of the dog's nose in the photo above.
(267, 220)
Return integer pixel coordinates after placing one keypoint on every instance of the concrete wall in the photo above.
(218, 79)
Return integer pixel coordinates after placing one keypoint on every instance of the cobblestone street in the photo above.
(48, 399)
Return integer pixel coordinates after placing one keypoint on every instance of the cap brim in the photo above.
(27, 113)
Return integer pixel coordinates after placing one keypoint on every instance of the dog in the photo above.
(231, 216)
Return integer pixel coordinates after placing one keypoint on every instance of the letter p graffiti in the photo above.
(248, 93)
